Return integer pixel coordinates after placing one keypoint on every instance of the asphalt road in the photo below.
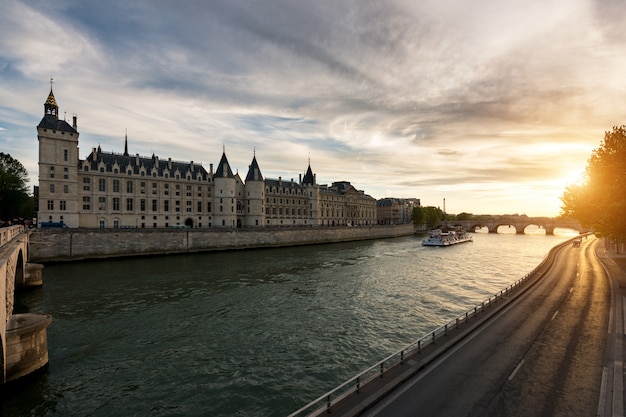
(548, 353)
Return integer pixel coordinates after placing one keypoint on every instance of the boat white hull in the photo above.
(437, 242)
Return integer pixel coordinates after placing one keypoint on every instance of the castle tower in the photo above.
(58, 167)
(224, 195)
(255, 196)
(313, 194)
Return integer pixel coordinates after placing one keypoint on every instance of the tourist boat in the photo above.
(451, 237)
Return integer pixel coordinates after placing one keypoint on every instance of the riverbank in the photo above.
(54, 245)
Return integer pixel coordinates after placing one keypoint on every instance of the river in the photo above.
(249, 333)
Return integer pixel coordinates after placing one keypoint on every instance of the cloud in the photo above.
(402, 98)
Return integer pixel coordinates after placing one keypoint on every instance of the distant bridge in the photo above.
(520, 223)
(24, 347)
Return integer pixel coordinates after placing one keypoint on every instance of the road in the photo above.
(545, 354)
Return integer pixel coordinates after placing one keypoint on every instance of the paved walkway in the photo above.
(613, 372)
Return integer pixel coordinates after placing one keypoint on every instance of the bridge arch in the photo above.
(20, 277)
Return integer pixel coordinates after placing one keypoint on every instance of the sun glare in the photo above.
(573, 177)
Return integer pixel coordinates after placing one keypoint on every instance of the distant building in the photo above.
(396, 210)
(112, 190)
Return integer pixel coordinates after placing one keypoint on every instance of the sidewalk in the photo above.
(618, 258)
(612, 389)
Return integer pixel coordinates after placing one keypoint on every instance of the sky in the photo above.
(494, 106)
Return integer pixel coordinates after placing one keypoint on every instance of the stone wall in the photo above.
(50, 245)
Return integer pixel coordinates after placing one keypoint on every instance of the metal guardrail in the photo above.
(354, 384)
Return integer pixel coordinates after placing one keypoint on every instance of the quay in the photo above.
(550, 344)
(66, 244)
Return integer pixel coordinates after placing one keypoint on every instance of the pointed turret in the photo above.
(223, 168)
(126, 144)
(50, 118)
(254, 173)
(309, 177)
(255, 202)
(51, 108)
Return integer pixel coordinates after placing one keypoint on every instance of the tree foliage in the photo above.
(14, 198)
(464, 216)
(599, 200)
(429, 216)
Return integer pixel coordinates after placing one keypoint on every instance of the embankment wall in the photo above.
(52, 245)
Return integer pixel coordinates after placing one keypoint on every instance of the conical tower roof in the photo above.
(223, 169)
(309, 178)
(51, 108)
(254, 173)
(50, 101)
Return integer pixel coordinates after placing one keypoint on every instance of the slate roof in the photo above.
(53, 123)
(309, 178)
(254, 173)
(135, 163)
(274, 183)
(51, 117)
(223, 168)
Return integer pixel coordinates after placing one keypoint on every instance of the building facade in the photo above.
(396, 210)
(119, 190)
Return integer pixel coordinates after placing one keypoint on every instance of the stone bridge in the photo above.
(518, 222)
(24, 347)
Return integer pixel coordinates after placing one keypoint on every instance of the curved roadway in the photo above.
(545, 354)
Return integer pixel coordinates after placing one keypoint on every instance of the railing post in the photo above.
(419, 346)
(445, 329)
(382, 369)
(358, 384)
(328, 403)
(402, 357)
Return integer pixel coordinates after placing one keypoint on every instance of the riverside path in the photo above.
(547, 352)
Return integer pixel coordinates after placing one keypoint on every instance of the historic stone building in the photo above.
(396, 210)
(113, 190)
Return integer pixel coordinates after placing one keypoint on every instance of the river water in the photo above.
(249, 333)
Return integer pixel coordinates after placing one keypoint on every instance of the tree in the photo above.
(464, 216)
(429, 216)
(599, 200)
(14, 199)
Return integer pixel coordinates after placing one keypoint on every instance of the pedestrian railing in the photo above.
(8, 233)
(377, 370)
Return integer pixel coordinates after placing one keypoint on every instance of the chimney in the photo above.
(191, 166)
(211, 169)
(75, 122)
(300, 179)
(95, 154)
(169, 163)
(137, 159)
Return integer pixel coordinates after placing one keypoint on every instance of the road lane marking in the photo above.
(519, 365)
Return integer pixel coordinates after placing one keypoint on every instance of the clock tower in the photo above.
(58, 167)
